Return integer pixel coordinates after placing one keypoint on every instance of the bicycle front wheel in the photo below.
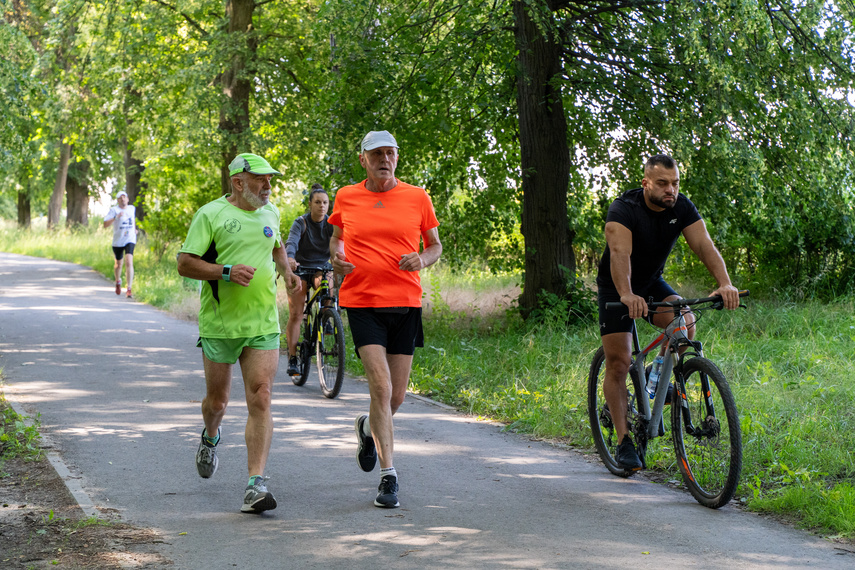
(330, 352)
(602, 427)
(706, 432)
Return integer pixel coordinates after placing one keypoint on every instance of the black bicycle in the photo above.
(323, 333)
(704, 420)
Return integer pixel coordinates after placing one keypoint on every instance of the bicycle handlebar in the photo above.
(676, 304)
(307, 270)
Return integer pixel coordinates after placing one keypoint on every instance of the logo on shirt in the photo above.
(232, 226)
(379, 204)
(267, 231)
(674, 221)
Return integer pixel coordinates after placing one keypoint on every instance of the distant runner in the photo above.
(123, 219)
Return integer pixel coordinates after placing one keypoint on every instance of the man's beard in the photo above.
(254, 200)
(662, 203)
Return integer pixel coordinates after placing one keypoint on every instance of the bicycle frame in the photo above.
(675, 338)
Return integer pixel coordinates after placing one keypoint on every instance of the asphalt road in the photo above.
(117, 386)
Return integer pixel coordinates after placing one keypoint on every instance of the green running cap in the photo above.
(253, 163)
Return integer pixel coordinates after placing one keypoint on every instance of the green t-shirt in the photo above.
(223, 233)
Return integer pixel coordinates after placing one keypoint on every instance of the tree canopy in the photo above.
(522, 118)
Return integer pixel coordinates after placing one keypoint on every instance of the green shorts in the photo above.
(228, 350)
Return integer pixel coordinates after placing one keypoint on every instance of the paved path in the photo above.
(117, 386)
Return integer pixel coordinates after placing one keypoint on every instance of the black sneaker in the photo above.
(293, 366)
(626, 456)
(366, 453)
(387, 493)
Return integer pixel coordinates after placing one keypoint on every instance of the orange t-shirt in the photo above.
(377, 229)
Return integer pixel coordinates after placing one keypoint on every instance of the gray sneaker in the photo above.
(206, 457)
(366, 453)
(257, 498)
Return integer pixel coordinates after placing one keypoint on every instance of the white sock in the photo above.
(366, 427)
(388, 471)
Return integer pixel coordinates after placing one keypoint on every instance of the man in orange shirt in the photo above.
(375, 245)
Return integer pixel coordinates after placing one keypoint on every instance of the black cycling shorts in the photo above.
(399, 329)
(617, 320)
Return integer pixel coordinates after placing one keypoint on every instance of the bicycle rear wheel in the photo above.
(602, 428)
(706, 432)
(330, 352)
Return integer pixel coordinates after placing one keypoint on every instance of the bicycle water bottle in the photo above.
(653, 379)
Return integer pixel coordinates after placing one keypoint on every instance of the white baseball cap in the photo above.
(376, 139)
(120, 194)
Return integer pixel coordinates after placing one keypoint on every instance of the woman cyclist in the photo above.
(308, 244)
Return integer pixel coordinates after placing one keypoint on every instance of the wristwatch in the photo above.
(227, 271)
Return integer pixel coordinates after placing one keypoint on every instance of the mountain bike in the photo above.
(323, 333)
(705, 425)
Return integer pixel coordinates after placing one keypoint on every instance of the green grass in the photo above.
(18, 437)
(788, 365)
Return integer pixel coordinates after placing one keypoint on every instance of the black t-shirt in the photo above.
(653, 236)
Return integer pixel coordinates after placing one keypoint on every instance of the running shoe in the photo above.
(206, 457)
(366, 453)
(293, 366)
(256, 498)
(627, 456)
(129, 293)
(118, 287)
(387, 493)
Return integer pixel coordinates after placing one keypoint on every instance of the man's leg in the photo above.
(259, 369)
(618, 353)
(117, 271)
(378, 373)
(218, 377)
(218, 381)
(129, 271)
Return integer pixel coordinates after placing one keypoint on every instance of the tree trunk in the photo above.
(77, 189)
(55, 203)
(134, 186)
(545, 161)
(24, 210)
(237, 87)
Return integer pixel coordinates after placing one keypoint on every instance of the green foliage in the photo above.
(18, 437)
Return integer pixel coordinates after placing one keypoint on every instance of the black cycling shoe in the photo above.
(293, 366)
(626, 456)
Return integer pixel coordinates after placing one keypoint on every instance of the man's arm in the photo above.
(337, 258)
(108, 223)
(701, 243)
(194, 267)
(430, 254)
(283, 266)
(619, 239)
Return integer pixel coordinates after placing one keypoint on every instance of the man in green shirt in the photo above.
(233, 247)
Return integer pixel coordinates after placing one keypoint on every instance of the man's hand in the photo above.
(411, 262)
(241, 274)
(730, 296)
(341, 266)
(292, 282)
(293, 264)
(637, 305)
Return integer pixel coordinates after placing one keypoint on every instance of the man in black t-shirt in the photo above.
(642, 227)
